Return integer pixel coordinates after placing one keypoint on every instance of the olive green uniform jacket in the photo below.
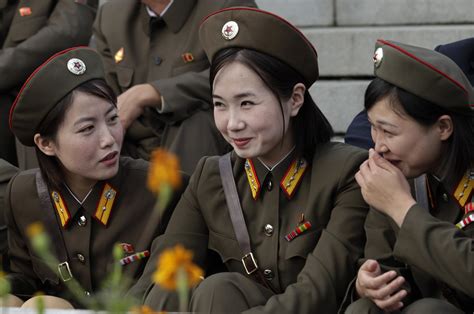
(87, 241)
(31, 32)
(7, 171)
(435, 257)
(312, 271)
(167, 54)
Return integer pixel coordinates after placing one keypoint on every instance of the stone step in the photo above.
(347, 51)
(340, 101)
(302, 13)
(399, 12)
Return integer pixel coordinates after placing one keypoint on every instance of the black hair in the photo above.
(459, 153)
(311, 127)
(48, 128)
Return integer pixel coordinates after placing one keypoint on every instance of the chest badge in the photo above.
(106, 202)
(119, 55)
(135, 257)
(25, 11)
(300, 229)
(187, 57)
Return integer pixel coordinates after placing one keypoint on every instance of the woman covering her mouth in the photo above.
(419, 250)
(291, 232)
(87, 197)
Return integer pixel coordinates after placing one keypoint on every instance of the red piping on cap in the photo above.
(423, 62)
(266, 12)
(31, 77)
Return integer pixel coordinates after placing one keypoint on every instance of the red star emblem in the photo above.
(228, 30)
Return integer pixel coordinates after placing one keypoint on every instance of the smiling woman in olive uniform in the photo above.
(87, 197)
(293, 245)
(419, 252)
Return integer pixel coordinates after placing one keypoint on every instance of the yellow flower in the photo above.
(34, 229)
(164, 170)
(170, 262)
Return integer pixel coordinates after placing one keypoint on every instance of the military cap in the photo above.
(48, 84)
(425, 73)
(261, 31)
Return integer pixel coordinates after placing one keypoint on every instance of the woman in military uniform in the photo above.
(292, 230)
(86, 196)
(419, 252)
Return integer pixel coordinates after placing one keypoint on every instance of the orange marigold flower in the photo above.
(170, 261)
(144, 309)
(164, 169)
(34, 229)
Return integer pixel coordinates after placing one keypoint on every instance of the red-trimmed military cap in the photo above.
(50, 83)
(261, 31)
(425, 73)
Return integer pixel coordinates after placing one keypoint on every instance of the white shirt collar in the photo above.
(153, 14)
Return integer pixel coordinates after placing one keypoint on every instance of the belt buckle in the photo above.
(250, 264)
(64, 271)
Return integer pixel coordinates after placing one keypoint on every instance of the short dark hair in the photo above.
(311, 126)
(48, 128)
(460, 149)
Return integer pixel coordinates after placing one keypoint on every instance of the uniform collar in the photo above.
(174, 17)
(99, 204)
(288, 173)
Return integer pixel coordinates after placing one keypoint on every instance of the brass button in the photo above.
(445, 197)
(269, 185)
(268, 230)
(268, 274)
(81, 258)
(82, 221)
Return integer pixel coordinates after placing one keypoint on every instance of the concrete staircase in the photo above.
(344, 33)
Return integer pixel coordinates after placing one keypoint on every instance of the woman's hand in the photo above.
(132, 103)
(382, 289)
(384, 187)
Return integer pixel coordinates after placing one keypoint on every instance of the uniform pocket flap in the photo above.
(27, 28)
(302, 245)
(124, 76)
(195, 66)
(227, 248)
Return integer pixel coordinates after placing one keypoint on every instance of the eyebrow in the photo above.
(238, 96)
(85, 119)
(384, 123)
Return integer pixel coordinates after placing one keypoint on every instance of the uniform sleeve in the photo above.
(438, 247)
(186, 227)
(22, 278)
(322, 282)
(70, 24)
(103, 49)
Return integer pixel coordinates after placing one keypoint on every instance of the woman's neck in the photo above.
(79, 186)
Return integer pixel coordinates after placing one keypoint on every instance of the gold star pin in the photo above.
(119, 55)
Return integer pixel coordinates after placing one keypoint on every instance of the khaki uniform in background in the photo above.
(427, 244)
(88, 242)
(310, 272)
(31, 32)
(166, 53)
(7, 171)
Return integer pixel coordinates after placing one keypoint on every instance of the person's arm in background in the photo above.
(68, 25)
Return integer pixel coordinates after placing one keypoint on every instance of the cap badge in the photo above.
(230, 30)
(76, 66)
(378, 56)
